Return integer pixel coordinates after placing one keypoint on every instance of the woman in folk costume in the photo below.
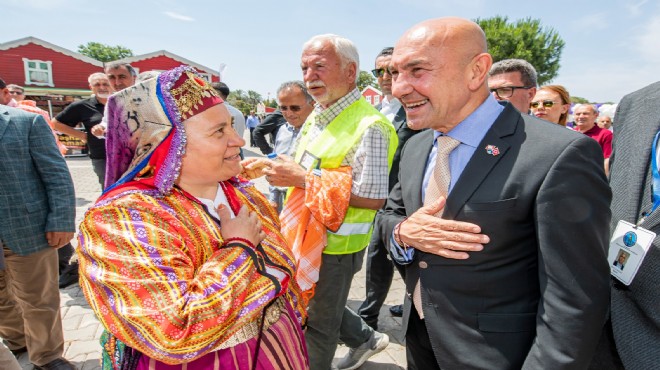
(182, 261)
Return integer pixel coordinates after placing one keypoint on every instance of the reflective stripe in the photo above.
(352, 229)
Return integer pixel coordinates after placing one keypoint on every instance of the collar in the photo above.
(325, 116)
(473, 128)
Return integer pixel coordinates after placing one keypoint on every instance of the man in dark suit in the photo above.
(37, 211)
(510, 270)
(631, 339)
(380, 269)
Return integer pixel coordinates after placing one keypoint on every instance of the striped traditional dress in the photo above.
(171, 296)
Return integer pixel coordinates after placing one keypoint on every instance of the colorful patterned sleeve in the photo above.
(153, 271)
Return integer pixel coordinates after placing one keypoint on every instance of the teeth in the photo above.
(413, 105)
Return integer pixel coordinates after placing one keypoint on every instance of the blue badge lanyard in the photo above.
(655, 186)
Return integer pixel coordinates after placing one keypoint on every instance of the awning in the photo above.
(45, 91)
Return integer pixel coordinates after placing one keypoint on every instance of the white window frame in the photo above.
(49, 72)
(368, 98)
(376, 99)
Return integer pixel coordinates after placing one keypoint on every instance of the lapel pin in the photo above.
(492, 150)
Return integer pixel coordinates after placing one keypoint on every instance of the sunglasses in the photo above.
(380, 72)
(16, 92)
(546, 104)
(293, 108)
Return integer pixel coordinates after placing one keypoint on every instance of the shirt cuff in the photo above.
(402, 256)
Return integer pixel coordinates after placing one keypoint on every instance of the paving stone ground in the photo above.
(82, 330)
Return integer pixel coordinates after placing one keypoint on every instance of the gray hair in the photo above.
(96, 75)
(593, 107)
(129, 67)
(527, 71)
(344, 47)
(292, 84)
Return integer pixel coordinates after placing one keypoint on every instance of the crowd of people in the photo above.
(510, 227)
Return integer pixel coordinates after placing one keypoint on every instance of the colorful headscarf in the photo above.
(145, 138)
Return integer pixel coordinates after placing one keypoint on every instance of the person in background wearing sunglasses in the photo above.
(551, 103)
(16, 92)
(296, 104)
(380, 268)
(513, 80)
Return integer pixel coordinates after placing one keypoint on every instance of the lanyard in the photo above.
(655, 186)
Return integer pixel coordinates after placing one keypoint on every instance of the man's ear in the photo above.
(351, 70)
(478, 70)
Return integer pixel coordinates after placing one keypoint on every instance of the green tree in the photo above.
(366, 79)
(524, 39)
(245, 101)
(104, 53)
(253, 98)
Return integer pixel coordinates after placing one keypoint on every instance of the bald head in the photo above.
(462, 34)
(440, 68)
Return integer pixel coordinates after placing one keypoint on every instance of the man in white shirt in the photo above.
(296, 104)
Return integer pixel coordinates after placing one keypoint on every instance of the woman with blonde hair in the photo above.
(551, 103)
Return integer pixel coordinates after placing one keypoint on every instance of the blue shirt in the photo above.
(285, 139)
(470, 132)
(252, 122)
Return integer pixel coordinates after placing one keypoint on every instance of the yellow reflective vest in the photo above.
(331, 147)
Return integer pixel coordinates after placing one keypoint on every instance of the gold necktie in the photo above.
(437, 187)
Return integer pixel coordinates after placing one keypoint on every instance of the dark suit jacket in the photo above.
(536, 296)
(36, 190)
(270, 125)
(404, 133)
(635, 308)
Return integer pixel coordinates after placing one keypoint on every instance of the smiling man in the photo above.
(89, 112)
(487, 215)
(343, 131)
(585, 116)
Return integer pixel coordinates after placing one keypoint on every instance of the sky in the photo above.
(612, 46)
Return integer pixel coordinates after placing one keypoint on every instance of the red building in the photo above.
(373, 95)
(46, 69)
(163, 60)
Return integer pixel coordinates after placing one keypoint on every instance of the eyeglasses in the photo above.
(293, 108)
(507, 92)
(546, 104)
(16, 92)
(380, 72)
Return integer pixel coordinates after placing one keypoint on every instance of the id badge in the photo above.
(628, 248)
(310, 161)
